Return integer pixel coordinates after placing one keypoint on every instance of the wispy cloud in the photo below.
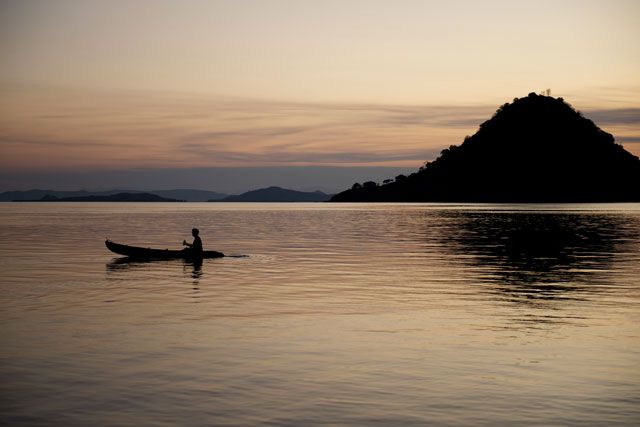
(61, 144)
(247, 133)
(629, 139)
(75, 129)
(305, 157)
(615, 116)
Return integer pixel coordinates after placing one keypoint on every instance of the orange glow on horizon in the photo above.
(123, 85)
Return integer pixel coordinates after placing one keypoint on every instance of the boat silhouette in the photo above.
(150, 253)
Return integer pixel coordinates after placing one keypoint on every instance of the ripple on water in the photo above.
(340, 314)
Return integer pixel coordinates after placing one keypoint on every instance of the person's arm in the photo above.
(184, 242)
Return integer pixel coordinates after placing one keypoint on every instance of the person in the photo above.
(196, 246)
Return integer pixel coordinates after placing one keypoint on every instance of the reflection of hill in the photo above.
(535, 256)
(536, 149)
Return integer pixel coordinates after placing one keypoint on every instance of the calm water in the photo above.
(464, 315)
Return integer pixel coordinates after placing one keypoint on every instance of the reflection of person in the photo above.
(196, 246)
(197, 271)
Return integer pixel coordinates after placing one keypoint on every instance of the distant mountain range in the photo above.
(188, 195)
(277, 194)
(270, 194)
(119, 197)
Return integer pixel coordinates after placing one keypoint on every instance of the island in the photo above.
(119, 197)
(189, 195)
(534, 149)
(277, 194)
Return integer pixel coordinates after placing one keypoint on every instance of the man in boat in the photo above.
(196, 246)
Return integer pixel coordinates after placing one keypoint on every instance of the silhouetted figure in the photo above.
(196, 246)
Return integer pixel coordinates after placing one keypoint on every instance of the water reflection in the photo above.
(461, 308)
(189, 267)
(533, 257)
(194, 269)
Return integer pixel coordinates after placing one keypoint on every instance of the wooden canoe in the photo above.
(149, 253)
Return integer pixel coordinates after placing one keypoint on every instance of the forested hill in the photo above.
(535, 149)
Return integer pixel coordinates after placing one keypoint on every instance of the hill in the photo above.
(120, 197)
(535, 149)
(188, 195)
(277, 194)
(36, 194)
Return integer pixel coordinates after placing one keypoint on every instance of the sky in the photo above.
(93, 88)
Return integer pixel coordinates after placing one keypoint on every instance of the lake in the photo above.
(354, 314)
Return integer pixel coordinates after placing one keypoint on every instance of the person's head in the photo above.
(195, 232)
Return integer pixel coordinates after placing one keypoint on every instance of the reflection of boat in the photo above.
(148, 253)
(130, 263)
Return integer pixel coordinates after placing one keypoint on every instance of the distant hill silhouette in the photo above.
(189, 195)
(120, 197)
(36, 194)
(277, 194)
(535, 149)
(180, 194)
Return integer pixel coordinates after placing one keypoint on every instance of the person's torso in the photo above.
(197, 244)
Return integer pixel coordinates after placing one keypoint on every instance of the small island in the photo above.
(277, 194)
(119, 197)
(535, 149)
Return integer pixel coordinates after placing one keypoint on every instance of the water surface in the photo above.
(339, 315)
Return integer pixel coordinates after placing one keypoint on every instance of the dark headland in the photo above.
(535, 149)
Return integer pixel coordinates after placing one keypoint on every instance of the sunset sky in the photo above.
(181, 85)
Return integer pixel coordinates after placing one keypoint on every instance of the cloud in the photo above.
(229, 180)
(79, 129)
(306, 157)
(629, 139)
(240, 133)
(59, 144)
(615, 116)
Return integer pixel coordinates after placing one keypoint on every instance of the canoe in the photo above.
(148, 253)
